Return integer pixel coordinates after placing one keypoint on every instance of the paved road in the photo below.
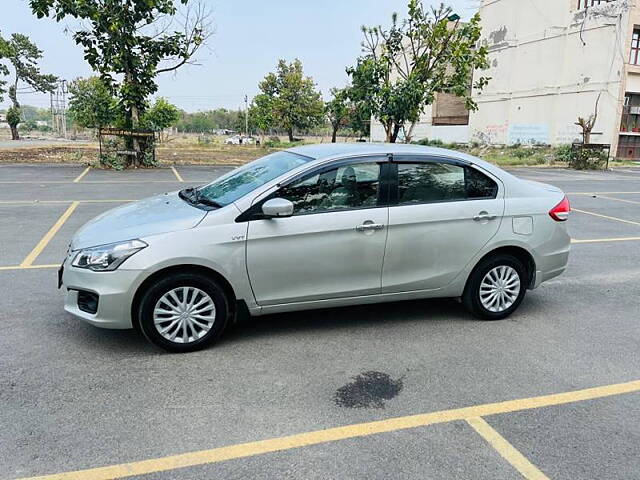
(76, 397)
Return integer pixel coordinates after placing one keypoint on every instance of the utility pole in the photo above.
(64, 108)
(246, 116)
(59, 108)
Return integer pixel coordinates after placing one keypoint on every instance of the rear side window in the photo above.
(430, 182)
(478, 185)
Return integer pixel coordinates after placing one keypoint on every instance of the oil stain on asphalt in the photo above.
(368, 390)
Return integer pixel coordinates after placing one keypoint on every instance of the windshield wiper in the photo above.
(207, 202)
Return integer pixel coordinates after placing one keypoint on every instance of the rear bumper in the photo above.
(552, 256)
(115, 292)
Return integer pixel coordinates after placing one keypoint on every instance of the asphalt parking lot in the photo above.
(404, 390)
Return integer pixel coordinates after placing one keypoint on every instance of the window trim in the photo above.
(416, 158)
(384, 180)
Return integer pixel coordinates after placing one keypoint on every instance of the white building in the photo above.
(550, 62)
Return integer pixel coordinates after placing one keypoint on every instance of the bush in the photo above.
(521, 153)
(563, 153)
(113, 161)
(587, 159)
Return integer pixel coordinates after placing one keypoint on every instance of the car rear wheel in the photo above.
(495, 288)
(183, 312)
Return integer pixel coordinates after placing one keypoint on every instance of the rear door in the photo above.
(332, 246)
(442, 213)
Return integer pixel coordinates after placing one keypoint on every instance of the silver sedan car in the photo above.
(313, 227)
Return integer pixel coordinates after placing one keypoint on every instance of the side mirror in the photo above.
(277, 208)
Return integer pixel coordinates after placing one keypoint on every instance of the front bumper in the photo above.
(115, 290)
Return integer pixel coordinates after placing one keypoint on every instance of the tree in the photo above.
(4, 71)
(294, 101)
(92, 104)
(261, 114)
(405, 66)
(130, 42)
(22, 55)
(160, 116)
(337, 110)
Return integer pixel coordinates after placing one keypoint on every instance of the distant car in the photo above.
(241, 140)
(313, 227)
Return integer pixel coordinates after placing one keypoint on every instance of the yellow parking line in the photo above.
(624, 200)
(507, 451)
(606, 240)
(51, 202)
(317, 437)
(28, 261)
(81, 176)
(47, 182)
(178, 176)
(606, 216)
(27, 267)
(602, 193)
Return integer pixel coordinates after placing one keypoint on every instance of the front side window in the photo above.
(237, 183)
(345, 187)
(431, 182)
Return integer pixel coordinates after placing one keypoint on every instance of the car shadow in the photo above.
(361, 316)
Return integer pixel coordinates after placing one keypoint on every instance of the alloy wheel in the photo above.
(184, 314)
(500, 288)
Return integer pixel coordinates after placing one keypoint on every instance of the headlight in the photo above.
(105, 258)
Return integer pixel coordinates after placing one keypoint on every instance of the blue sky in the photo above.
(250, 36)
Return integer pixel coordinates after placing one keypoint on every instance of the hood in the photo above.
(151, 216)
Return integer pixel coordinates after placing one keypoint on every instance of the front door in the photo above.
(334, 243)
(441, 216)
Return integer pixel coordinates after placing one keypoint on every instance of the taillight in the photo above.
(560, 213)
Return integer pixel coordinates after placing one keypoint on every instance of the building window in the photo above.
(634, 59)
(591, 3)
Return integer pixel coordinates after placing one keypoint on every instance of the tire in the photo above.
(504, 305)
(208, 302)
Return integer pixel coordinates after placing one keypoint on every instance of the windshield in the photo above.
(237, 183)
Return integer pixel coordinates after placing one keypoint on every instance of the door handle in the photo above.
(483, 216)
(365, 227)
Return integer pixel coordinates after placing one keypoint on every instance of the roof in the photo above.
(325, 151)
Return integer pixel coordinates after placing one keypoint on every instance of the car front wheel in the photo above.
(183, 312)
(495, 288)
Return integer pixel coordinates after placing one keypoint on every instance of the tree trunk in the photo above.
(409, 135)
(387, 129)
(290, 133)
(334, 133)
(394, 135)
(14, 132)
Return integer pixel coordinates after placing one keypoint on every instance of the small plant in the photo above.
(587, 159)
(113, 161)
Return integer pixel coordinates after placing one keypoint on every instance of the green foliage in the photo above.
(22, 55)
(294, 101)
(91, 104)
(161, 115)
(337, 110)
(587, 159)
(210, 120)
(4, 70)
(261, 113)
(13, 116)
(125, 45)
(405, 66)
(564, 153)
